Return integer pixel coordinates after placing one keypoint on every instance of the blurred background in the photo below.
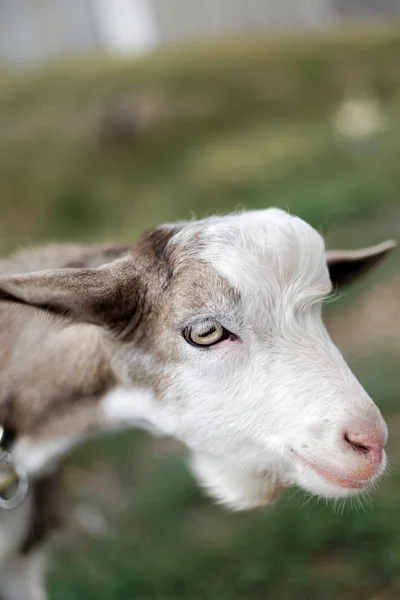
(116, 115)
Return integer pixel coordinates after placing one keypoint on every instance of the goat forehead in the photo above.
(201, 290)
(255, 250)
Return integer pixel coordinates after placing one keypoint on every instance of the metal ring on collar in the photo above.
(21, 477)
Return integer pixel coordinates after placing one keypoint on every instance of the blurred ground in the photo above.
(103, 150)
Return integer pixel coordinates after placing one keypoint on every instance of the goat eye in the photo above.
(205, 332)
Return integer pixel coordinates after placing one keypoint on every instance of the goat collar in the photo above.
(14, 483)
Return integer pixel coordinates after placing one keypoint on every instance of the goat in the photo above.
(208, 331)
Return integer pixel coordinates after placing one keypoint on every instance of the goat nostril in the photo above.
(362, 448)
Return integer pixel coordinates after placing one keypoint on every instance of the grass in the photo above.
(242, 124)
(223, 125)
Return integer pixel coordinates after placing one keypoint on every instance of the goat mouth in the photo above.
(334, 477)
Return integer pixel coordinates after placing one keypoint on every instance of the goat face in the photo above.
(214, 330)
(257, 388)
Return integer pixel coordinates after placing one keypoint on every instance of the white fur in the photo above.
(39, 457)
(232, 487)
(123, 407)
(13, 525)
(22, 577)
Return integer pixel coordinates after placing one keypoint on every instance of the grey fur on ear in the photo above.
(346, 266)
(102, 296)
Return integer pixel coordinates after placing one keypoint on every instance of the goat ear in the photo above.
(346, 266)
(103, 296)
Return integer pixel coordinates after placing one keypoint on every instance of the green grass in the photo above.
(242, 124)
(237, 124)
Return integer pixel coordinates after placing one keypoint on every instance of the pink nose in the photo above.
(370, 446)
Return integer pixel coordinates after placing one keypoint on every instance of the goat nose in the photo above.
(370, 446)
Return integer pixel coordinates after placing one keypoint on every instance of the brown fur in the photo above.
(52, 370)
(49, 389)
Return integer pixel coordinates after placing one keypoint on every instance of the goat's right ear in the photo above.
(346, 266)
(106, 296)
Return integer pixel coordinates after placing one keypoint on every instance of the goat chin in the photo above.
(241, 490)
(235, 489)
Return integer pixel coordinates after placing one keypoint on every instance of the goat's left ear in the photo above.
(107, 295)
(346, 266)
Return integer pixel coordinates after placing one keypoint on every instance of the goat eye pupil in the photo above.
(207, 333)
